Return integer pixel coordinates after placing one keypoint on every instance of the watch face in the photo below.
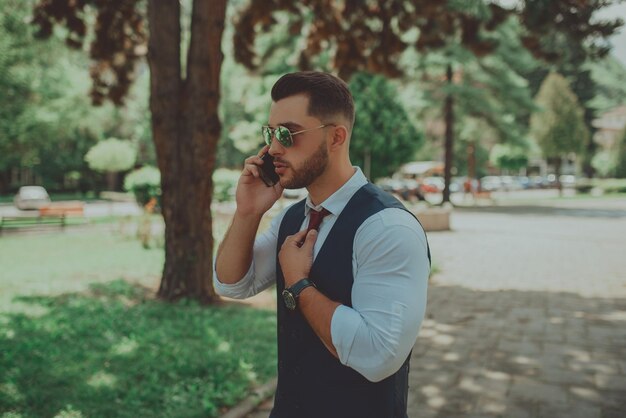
(290, 301)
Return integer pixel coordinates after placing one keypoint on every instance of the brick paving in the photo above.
(527, 317)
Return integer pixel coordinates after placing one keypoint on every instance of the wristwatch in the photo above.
(291, 294)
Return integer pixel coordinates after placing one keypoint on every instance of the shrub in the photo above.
(145, 183)
(111, 155)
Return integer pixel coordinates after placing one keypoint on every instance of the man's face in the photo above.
(302, 163)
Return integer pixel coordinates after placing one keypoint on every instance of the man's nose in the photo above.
(276, 147)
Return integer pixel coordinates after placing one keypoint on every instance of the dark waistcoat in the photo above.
(311, 382)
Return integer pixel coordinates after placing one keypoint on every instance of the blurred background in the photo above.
(123, 128)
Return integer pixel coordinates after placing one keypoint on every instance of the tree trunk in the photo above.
(5, 176)
(557, 168)
(471, 160)
(449, 143)
(186, 128)
(590, 151)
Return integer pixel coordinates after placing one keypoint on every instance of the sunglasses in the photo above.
(284, 135)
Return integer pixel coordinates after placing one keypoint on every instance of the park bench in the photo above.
(63, 208)
(55, 214)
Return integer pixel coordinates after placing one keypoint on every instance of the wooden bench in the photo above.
(55, 214)
(31, 222)
(63, 208)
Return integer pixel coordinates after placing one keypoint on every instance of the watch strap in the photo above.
(299, 286)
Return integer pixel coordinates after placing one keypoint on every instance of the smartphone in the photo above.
(267, 171)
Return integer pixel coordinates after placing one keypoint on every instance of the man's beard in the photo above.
(310, 170)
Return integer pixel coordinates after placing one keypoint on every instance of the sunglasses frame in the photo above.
(272, 132)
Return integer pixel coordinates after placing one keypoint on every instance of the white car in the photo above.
(490, 183)
(31, 197)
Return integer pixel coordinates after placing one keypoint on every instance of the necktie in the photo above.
(316, 219)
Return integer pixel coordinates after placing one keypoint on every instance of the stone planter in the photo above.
(434, 219)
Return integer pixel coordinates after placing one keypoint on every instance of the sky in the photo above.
(619, 39)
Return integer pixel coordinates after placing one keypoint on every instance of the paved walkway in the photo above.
(527, 317)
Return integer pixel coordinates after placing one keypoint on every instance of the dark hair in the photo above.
(328, 95)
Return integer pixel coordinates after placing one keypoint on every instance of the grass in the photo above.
(82, 336)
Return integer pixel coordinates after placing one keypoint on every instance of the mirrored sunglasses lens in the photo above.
(283, 135)
(267, 135)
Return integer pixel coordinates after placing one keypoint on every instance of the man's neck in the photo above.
(329, 182)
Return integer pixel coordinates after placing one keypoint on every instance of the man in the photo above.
(351, 296)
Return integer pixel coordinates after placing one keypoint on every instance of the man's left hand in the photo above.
(296, 256)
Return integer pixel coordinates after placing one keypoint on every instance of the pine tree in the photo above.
(383, 137)
(559, 127)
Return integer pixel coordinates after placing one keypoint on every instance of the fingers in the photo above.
(265, 149)
(309, 242)
(303, 239)
(251, 164)
(251, 170)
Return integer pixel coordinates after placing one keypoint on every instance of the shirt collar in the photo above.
(338, 200)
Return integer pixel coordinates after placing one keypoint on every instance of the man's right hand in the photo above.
(253, 196)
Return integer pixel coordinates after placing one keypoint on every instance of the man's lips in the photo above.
(280, 167)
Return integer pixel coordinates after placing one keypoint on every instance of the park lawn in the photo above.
(84, 336)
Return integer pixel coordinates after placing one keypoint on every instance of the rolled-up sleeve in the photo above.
(391, 269)
(262, 271)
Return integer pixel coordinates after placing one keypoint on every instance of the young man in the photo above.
(351, 296)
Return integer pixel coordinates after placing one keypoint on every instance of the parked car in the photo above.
(567, 180)
(433, 185)
(490, 183)
(524, 182)
(406, 188)
(31, 197)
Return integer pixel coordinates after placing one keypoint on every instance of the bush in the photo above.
(145, 183)
(111, 155)
(225, 184)
(612, 185)
(583, 186)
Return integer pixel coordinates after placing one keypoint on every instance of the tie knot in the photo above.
(316, 218)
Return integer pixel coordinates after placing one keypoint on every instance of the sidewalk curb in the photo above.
(252, 401)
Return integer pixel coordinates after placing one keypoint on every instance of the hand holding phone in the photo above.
(267, 171)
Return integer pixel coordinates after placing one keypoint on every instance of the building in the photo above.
(610, 126)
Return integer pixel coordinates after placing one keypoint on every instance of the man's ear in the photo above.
(340, 136)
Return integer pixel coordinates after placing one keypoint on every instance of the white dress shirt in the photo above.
(390, 267)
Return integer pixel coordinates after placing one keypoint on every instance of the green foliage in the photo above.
(620, 157)
(47, 123)
(382, 128)
(605, 163)
(111, 155)
(610, 77)
(559, 127)
(145, 183)
(508, 157)
(43, 111)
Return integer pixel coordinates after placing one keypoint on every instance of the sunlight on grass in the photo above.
(125, 347)
(102, 379)
(95, 354)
